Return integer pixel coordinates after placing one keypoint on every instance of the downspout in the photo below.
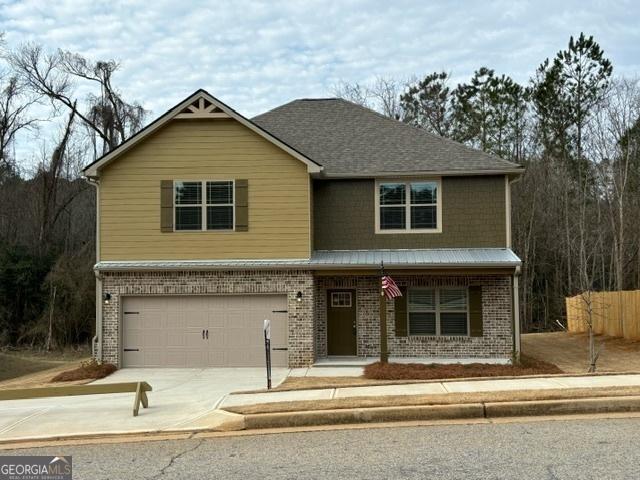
(97, 339)
(515, 283)
(516, 314)
(96, 342)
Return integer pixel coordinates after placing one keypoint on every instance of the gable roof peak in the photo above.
(199, 105)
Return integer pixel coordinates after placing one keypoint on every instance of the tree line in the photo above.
(576, 128)
(58, 112)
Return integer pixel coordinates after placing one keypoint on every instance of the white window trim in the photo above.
(204, 205)
(407, 205)
(350, 296)
(437, 311)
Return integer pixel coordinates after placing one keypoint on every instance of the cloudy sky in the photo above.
(256, 55)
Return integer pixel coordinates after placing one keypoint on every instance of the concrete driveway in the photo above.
(180, 399)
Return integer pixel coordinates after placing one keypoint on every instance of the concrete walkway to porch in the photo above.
(438, 387)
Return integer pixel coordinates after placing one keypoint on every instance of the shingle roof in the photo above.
(348, 139)
(425, 258)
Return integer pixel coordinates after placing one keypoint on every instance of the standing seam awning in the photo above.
(331, 259)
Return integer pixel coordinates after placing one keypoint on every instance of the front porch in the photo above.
(436, 321)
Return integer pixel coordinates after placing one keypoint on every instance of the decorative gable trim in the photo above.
(201, 108)
(197, 106)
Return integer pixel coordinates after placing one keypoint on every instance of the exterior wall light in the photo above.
(299, 296)
(106, 298)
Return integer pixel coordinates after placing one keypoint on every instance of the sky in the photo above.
(256, 55)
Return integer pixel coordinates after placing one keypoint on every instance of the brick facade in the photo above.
(307, 321)
(496, 342)
(300, 314)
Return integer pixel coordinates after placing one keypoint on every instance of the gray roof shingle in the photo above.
(348, 139)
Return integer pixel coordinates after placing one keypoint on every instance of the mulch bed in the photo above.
(90, 370)
(419, 371)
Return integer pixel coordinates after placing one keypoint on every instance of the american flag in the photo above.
(390, 288)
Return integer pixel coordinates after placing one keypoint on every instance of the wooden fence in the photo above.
(614, 313)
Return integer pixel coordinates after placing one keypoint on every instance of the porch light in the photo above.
(299, 296)
(106, 298)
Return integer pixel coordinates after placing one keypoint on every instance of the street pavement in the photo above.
(558, 449)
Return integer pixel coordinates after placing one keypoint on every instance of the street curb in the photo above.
(563, 407)
(235, 423)
(362, 415)
(442, 412)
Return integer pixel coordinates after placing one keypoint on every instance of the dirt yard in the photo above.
(25, 368)
(569, 351)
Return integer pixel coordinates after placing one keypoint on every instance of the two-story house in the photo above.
(209, 223)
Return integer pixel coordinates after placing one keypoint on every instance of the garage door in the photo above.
(199, 331)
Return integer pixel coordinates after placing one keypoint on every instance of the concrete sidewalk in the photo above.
(451, 386)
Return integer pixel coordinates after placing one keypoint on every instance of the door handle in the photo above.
(203, 334)
(355, 332)
(207, 334)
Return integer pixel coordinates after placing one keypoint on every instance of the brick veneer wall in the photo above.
(496, 342)
(300, 314)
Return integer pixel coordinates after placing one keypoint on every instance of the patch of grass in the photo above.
(419, 371)
(434, 399)
(12, 366)
(88, 370)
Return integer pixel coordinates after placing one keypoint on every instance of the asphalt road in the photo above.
(576, 449)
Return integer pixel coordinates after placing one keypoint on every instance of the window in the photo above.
(341, 299)
(438, 311)
(408, 206)
(204, 205)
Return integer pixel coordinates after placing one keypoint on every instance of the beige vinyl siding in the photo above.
(279, 209)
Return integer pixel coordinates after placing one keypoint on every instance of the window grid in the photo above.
(437, 310)
(407, 204)
(341, 299)
(204, 203)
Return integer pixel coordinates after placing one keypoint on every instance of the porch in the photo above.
(443, 317)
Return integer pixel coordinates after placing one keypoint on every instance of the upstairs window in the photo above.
(412, 206)
(203, 205)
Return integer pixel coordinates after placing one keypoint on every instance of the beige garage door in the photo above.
(200, 331)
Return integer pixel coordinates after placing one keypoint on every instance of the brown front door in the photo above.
(341, 322)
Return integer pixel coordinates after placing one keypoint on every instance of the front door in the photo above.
(341, 322)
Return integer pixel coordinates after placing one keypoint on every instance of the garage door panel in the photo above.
(168, 330)
(218, 338)
(194, 319)
(216, 320)
(217, 358)
(177, 338)
(194, 358)
(155, 357)
(132, 358)
(133, 339)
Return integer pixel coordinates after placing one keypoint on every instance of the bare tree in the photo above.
(15, 103)
(354, 92)
(382, 95)
(616, 154)
(54, 75)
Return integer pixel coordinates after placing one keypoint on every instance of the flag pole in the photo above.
(384, 354)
